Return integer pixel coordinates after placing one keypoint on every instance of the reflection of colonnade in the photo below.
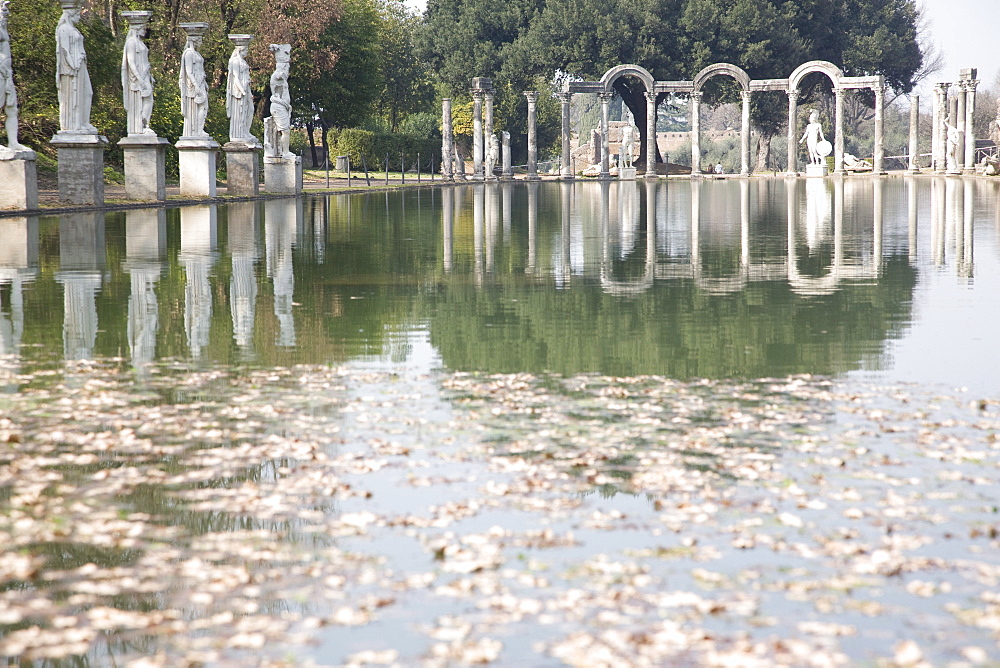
(952, 217)
(629, 235)
(18, 265)
(81, 266)
(145, 260)
(655, 90)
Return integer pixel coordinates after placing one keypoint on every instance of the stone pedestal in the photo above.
(19, 178)
(196, 161)
(145, 170)
(242, 168)
(283, 175)
(816, 170)
(626, 173)
(81, 167)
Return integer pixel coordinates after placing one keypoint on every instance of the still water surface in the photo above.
(198, 315)
(890, 278)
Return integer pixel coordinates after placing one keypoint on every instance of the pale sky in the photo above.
(965, 31)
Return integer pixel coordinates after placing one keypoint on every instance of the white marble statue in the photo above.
(194, 86)
(239, 99)
(72, 78)
(492, 154)
(137, 78)
(812, 136)
(952, 153)
(628, 144)
(277, 128)
(8, 96)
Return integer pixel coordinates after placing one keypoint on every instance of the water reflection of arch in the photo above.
(620, 287)
(840, 268)
(18, 265)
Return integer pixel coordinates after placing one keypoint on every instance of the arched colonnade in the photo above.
(790, 86)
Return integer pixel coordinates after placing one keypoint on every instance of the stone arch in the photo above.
(824, 66)
(619, 71)
(722, 68)
(743, 79)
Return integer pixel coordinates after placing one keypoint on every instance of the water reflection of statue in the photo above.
(812, 137)
(194, 88)
(492, 154)
(8, 95)
(628, 144)
(277, 128)
(137, 80)
(239, 99)
(72, 77)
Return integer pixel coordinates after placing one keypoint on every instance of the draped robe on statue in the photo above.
(73, 79)
(194, 92)
(239, 100)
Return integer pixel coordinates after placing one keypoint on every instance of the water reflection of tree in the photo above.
(675, 330)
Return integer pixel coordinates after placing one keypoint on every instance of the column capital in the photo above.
(879, 91)
(839, 92)
(477, 94)
(650, 96)
(793, 96)
(942, 87)
(532, 96)
(605, 97)
(971, 85)
(565, 97)
(697, 95)
(745, 95)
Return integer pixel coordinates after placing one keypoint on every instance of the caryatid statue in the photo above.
(137, 79)
(277, 128)
(194, 86)
(72, 78)
(239, 99)
(8, 96)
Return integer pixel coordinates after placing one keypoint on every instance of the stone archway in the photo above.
(743, 79)
(835, 75)
(605, 89)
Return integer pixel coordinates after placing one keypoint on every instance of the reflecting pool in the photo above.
(746, 420)
(716, 279)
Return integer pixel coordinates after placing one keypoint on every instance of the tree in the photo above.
(674, 39)
(407, 84)
(342, 95)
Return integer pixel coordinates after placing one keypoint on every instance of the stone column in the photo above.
(838, 137)
(565, 168)
(935, 127)
(487, 131)
(914, 128)
(696, 133)
(745, 134)
(508, 170)
(447, 152)
(532, 96)
(488, 118)
(605, 134)
(940, 131)
(793, 116)
(960, 124)
(477, 135)
(879, 120)
(970, 130)
(650, 134)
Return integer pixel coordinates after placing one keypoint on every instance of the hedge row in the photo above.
(374, 146)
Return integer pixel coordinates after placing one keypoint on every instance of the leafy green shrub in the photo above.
(374, 146)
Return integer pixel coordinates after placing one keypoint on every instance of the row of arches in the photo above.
(604, 88)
